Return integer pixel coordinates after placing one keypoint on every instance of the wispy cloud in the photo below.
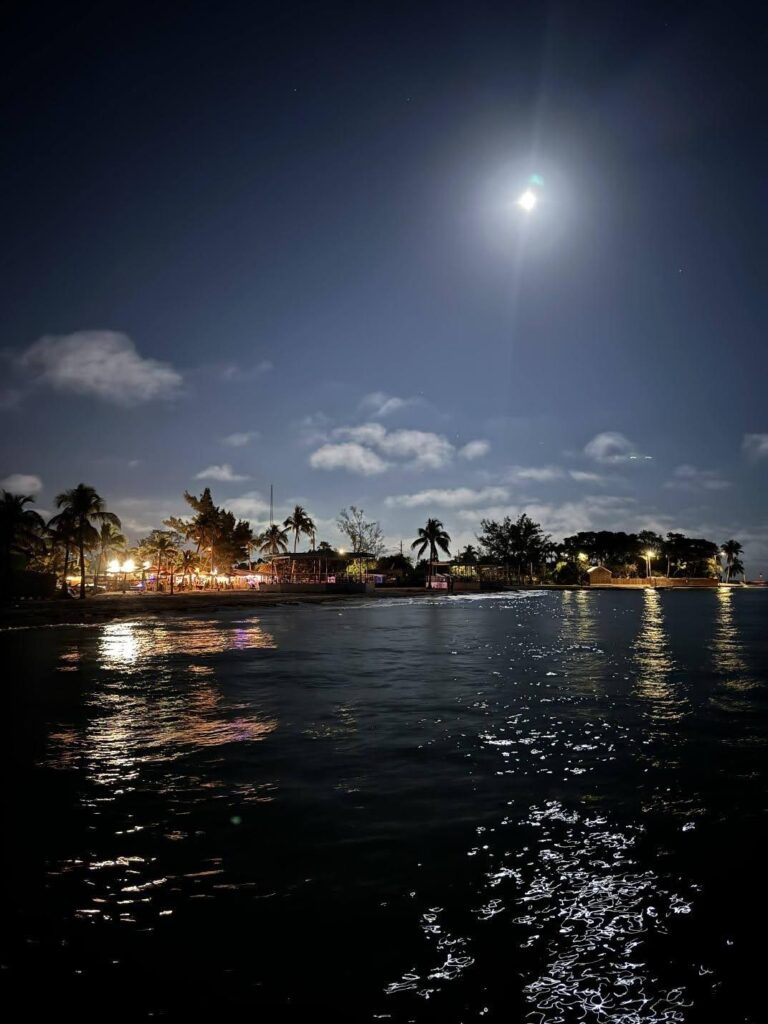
(379, 404)
(239, 440)
(611, 447)
(540, 474)
(350, 456)
(234, 372)
(251, 505)
(414, 448)
(138, 516)
(474, 450)
(689, 478)
(102, 364)
(756, 446)
(223, 473)
(591, 512)
(455, 497)
(22, 483)
(581, 476)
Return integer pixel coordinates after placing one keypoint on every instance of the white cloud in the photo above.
(584, 477)
(455, 497)
(250, 505)
(313, 428)
(378, 403)
(418, 448)
(239, 440)
(591, 512)
(756, 445)
(365, 433)
(689, 478)
(546, 474)
(223, 473)
(104, 364)
(612, 447)
(426, 449)
(351, 456)
(138, 516)
(541, 474)
(22, 483)
(233, 372)
(474, 450)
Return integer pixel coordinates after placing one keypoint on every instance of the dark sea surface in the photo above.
(544, 807)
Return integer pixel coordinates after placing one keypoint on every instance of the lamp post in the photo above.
(648, 556)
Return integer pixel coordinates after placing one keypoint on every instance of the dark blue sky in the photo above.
(254, 243)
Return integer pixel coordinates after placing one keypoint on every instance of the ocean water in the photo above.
(543, 807)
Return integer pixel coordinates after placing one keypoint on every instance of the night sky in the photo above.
(259, 243)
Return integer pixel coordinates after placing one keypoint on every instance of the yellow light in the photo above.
(129, 565)
(215, 572)
(147, 565)
(342, 551)
(650, 554)
(114, 566)
(582, 556)
(527, 200)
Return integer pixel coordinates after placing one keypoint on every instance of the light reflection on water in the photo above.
(545, 742)
(664, 702)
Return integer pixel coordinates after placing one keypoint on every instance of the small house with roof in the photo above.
(598, 574)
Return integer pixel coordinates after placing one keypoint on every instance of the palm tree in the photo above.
(162, 548)
(431, 536)
(83, 506)
(21, 530)
(300, 522)
(187, 563)
(110, 542)
(273, 541)
(732, 549)
(61, 530)
(469, 555)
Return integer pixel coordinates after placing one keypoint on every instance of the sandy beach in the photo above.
(105, 607)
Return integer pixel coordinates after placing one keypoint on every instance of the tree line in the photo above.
(85, 536)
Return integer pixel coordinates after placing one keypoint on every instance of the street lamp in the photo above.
(649, 554)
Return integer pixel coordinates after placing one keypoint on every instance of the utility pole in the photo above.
(271, 506)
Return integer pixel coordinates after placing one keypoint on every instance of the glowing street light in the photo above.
(528, 200)
(649, 554)
(129, 565)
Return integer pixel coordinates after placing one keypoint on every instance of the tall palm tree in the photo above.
(21, 530)
(299, 522)
(187, 563)
(110, 542)
(83, 506)
(273, 541)
(431, 536)
(162, 549)
(469, 555)
(61, 530)
(731, 549)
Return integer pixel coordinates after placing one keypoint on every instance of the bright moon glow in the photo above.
(527, 200)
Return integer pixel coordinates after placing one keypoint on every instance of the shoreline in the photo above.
(105, 608)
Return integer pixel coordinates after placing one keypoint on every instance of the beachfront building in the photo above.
(598, 574)
(316, 567)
